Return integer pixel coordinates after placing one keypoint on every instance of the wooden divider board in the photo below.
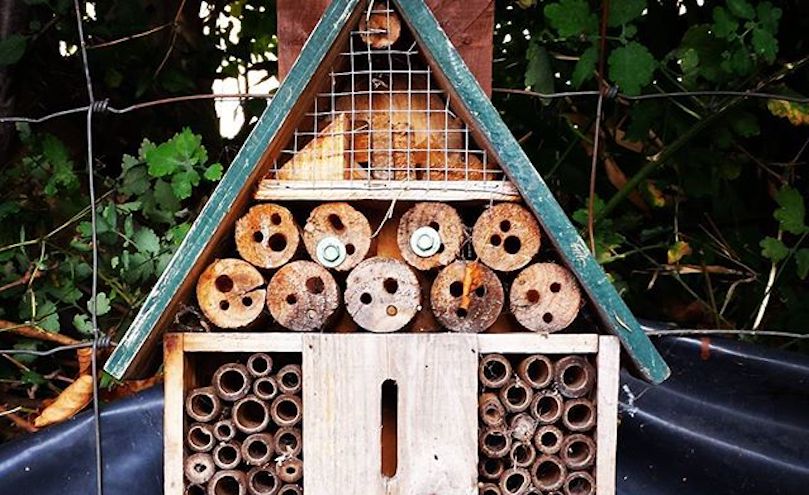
(437, 414)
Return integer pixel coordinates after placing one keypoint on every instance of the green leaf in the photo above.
(103, 305)
(82, 323)
(802, 260)
(632, 67)
(29, 377)
(12, 49)
(724, 24)
(135, 181)
(183, 183)
(147, 241)
(768, 16)
(61, 176)
(538, 73)
(585, 67)
(773, 249)
(571, 17)
(214, 172)
(745, 124)
(765, 44)
(741, 8)
(624, 11)
(791, 213)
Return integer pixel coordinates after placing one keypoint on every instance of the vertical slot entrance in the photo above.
(389, 432)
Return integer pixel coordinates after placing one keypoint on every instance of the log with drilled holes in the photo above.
(381, 28)
(467, 297)
(303, 296)
(506, 237)
(230, 293)
(267, 236)
(382, 295)
(545, 298)
(337, 236)
(430, 235)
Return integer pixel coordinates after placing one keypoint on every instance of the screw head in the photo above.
(425, 242)
(331, 252)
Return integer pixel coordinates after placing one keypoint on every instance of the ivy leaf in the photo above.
(632, 67)
(802, 260)
(624, 11)
(214, 172)
(571, 17)
(585, 66)
(12, 49)
(773, 249)
(741, 8)
(538, 73)
(791, 212)
(147, 241)
(724, 24)
(102, 306)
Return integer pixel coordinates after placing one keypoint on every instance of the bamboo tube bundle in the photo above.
(515, 481)
(227, 455)
(228, 482)
(536, 370)
(549, 439)
(230, 293)
(494, 370)
(467, 297)
(506, 237)
(262, 480)
(580, 483)
(337, 236)
(257, 449)
(578, 451)
(430, 235)
(516, 396)
(491, 469)
(575, 377)
(200, 438)
(545, 298)
(548, 473)
(579, 415)
(303, 296)
(382, 294)
(267, 236)
(290, 379)
(202, 404)
(489, 489)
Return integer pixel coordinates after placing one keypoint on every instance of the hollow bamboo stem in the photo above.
(251, 415)
(202, 404)
(494, 370)
(199, 468)
(231, 381)
(228, 482)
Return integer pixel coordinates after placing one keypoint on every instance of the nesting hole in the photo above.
(490, 491)
(195, 490)
(512, 244)
(288, 440)
(202, 405)
(199, 437)
(277, 242)
(390, 285)
(494, 370)
(257, 449)
(549, 439)
(574, 376)
(292, 299)
(505, 225)
(516, 395)
(350, 249)
(251, 414)
(264, 481)
(579, 486)
(315, 285)
(456, 289)
(258, 364)
(223, 283)
(548, 473)
(290, 380)
(461, 313)
(578, 452)
(547, 317)
(224, 305)
(495, 441)
(287, 410)
(515, 481)
(231, 381)
(275, 219)
(495, 240)
(556, 287)
(224, 430)
(521, 453)
(266, 388)
(227, 485)
(200, 467)
(227, 454)
(579, 414)
(532, 295)
(336, 222)
(365, 298)
(492, 467)
(247, 301)
(480, 291)
(391, 310)
(258, 236)
(547, 407)
(538, 371)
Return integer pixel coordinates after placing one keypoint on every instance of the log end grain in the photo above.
(230, 293)
(303, 296)
(467, 297)
(506, 237)
(267, 236)
(342, 222)
(382, 295)
(382, 28)
(545, 297)
(442, 219)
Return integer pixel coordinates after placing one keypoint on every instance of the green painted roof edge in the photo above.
(614, 313)
(221, 200)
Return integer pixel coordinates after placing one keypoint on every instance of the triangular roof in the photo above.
(234, 190)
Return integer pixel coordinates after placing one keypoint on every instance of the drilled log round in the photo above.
(262, 481)
(522, 427)
(290, 490)
(230, 293)
(495, 442)
(382, 28)
(439, 217)
(536, 370)
(251, 415)
(200, 438)
(224, 430)
(523, 454)
(199, 468)
(491, 410)
(290, 379)
(259, 364)
(506, 237)
(467, 297)
(265, 388)
(548, 439)
(579, 415)
(548, 473)
(547, 406)
(580, 483)
(286, 410)
(290, 470)
(345, 224)
(288, 441)
(489, 489)
(303, 296)
(228, 482)
(491, 469)
(382, 295)
(494, 370)
(545, 298)
(515, 481)
(578, 451)
(516, 396)
(202, 404)
(232, 381)
(267, 236)
(227, 455)
(257, 449)
(575, 377)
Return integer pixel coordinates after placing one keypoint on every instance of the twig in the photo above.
(17, 420)
(130, 37)
(34, 332)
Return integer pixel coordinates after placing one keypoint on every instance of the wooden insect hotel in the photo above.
(382, 296)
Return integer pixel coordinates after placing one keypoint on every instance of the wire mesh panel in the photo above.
(381, 120)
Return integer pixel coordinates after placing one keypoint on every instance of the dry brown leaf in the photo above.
(72, 400)
(85, 360)
(618, 179)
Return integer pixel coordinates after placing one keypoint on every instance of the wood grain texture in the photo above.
(608, 366)
(173, 413)
(531, 343)
(437, 412)
(469, 24)
(277, 190)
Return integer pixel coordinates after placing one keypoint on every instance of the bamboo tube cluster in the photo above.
(537, 425)
(244, 432)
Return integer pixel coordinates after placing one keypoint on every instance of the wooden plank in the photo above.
(437, 415)
(276, 190)
(609, 355)
(534, 343)
(492, 133)
(469, 24)
(243, 342)
(173, 414)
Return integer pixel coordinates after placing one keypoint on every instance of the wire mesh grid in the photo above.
(381, 121)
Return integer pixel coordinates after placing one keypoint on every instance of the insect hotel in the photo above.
(382, 296)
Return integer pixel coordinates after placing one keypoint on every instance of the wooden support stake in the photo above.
(545, 298)
(494, 370)
(303, 297)
(548, 439)
(228, 482)
(506, 237)
(200, 438)
(575, 377)
(199, 468)
(548, 473)
(578, 451)
(467, 297)
(267, 236)
(231, 381)
(290, 470)
(579, 483)
(323, 158)
(230, 293)
(536, 370)
(340, 222)
(382, 295)
(262, 481)
(251, 415)
(227, 455)
(288, 441)
(442, 219)
(382, 28)
(579, 415)
(257, 449)
(202, 404)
